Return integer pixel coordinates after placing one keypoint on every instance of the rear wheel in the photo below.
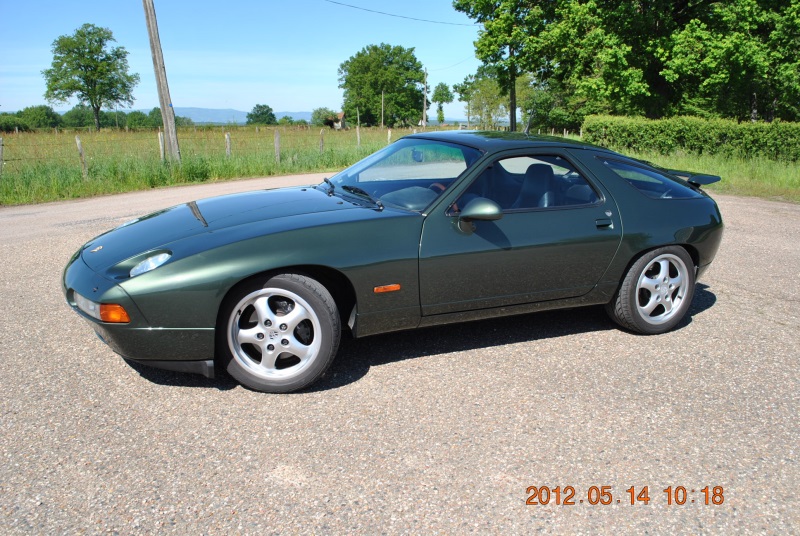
(656, 292)
(279, 336)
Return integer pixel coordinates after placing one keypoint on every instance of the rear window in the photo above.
(650, 182)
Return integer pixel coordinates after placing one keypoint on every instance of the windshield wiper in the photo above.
(332, 187)
(363, 193)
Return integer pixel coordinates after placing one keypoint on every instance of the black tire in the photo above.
(280, 335)
(656, 292)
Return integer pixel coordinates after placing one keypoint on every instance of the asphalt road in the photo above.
(440, 430)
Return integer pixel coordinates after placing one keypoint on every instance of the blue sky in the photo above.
(238, 53)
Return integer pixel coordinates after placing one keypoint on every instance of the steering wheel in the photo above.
(437, 186)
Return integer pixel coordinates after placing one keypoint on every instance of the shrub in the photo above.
(11, 123)
(777, 140)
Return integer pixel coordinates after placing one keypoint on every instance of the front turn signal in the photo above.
(114, 313)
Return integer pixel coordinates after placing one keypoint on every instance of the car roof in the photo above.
(492, 141)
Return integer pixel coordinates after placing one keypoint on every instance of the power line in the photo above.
(400, 16)
(454, 65)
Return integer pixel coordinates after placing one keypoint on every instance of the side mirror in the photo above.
(481, 209)
(416, 155)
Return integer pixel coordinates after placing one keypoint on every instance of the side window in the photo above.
(528, 182)
(650, 182)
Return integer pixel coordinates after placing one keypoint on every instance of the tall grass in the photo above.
(44, 166)
(758, 176)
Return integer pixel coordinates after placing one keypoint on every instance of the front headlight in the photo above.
(150, 263)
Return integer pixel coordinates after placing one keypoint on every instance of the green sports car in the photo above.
(435, 228)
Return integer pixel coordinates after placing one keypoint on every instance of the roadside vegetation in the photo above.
(45, 166)
(711, 87)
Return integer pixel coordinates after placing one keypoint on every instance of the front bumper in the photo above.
(172, 348)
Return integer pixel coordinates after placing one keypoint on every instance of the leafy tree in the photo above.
(506, 28)
(137, 119)
(86, 67)
(323, 117)
(391, 72)
(261, 115)
(41, 116)
(12, 123)
(286, 120)
(154, 118)
(112, 119)
(735, 59)
(464, 91)
(181, 121)
(78, 117)
(489, 105)
(742, 61)
(441, 96)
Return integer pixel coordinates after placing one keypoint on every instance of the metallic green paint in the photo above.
(527, 260)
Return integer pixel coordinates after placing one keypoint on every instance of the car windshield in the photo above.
(409, 174)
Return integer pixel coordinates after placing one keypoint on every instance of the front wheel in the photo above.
(656, 292)
(279, 336)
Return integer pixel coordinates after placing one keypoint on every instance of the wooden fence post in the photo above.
(321, 141)
(277, 146)
(1, 157)
(83, 159)
(161, 149)
(227, 145)
(358, 136)
(389, 137)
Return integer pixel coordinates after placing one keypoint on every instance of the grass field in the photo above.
(757, 177)
(45, 166)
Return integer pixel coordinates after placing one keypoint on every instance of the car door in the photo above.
(557, 235)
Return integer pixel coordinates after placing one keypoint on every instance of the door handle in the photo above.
(603, 223)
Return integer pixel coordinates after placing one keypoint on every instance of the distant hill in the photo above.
(212, 115)
(229, 116)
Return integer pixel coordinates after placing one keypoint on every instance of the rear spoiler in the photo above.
(698, 179)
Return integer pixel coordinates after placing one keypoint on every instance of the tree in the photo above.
(12, 123)
(286, 121)
(41, 116)
(323, 117)
(383, 77)
(741, 61)
(506, 29)
(78, 117)
(154, 118)
(86, 67)
(261, 115)
(656, 58)
(441, 96)
(488, 102)
(464, 91)
(137, 119)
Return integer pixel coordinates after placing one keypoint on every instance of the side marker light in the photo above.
(387, 288)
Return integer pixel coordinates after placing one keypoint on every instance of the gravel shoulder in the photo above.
(439, 430)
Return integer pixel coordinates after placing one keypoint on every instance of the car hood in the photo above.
(159, 229)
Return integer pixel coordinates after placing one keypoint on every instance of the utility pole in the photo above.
(425, 102)
(167, 111)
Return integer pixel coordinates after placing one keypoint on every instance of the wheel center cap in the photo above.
(273, 335)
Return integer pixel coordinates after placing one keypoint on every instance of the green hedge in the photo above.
(12, 123)
(777, 140)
